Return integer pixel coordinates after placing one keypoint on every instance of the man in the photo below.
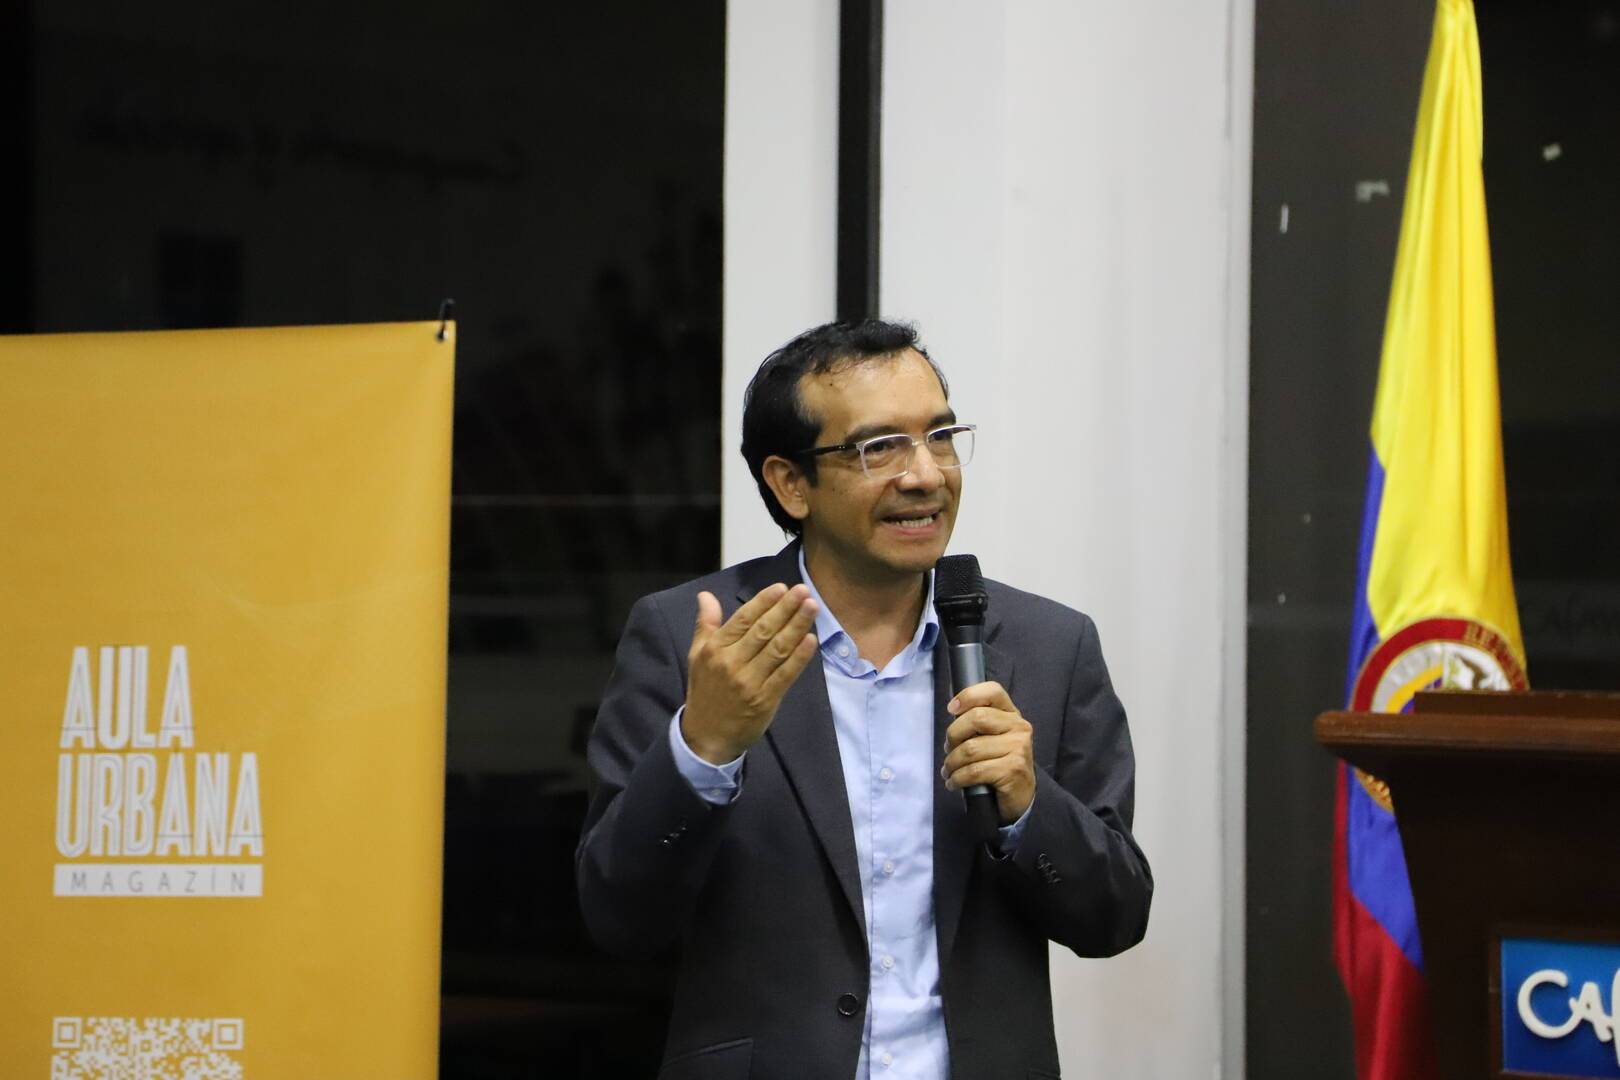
(779, 762)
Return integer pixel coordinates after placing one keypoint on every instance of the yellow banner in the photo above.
(222, 645)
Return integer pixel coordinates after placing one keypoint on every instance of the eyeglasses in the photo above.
(889, 457)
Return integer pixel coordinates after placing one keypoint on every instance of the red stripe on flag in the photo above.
(1389, 1000)
(1343, 925)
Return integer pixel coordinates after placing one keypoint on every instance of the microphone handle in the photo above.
(967, 669)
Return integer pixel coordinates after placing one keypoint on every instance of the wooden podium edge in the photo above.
(1351, 734)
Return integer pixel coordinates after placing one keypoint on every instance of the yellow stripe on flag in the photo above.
(1442, 543)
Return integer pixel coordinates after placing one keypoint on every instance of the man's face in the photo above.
(874, 528)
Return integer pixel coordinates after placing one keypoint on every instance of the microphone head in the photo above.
(959, 593)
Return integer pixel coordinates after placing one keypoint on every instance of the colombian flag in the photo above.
(1434, 598)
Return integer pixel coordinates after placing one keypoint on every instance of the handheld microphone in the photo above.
(960, 599)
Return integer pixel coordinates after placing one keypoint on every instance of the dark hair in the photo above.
(775, 421)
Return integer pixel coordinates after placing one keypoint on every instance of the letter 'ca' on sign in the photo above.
(1560, 1007)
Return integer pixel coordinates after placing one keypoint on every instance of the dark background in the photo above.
(1336, 94)
(557, 169)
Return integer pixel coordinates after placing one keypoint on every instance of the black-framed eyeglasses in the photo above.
(889, 457)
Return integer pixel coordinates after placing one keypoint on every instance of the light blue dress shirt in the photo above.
(884, 721)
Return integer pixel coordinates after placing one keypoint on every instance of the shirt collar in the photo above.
(828, 628)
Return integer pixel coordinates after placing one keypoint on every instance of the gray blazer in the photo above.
(762, 896)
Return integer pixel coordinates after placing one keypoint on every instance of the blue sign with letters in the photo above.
(1560, 1007)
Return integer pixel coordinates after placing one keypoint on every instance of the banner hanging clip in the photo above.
(447, 311)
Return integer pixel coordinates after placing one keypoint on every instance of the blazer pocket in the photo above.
(722, 1061)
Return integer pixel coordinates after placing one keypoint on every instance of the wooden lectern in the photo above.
(1509, 811)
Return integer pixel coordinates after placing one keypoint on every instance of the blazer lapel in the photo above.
(806, 745)
(954, 849)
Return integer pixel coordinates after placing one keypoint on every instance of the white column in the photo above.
(1064, 189)
(781, 216)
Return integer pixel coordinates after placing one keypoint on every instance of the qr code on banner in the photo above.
(123, 1048)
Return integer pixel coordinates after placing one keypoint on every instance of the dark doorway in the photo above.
(557, 169)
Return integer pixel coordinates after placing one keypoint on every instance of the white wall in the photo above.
(1065, 214)
(781, 206)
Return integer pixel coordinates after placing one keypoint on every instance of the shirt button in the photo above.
(888, 963)
(887, 1059)
(885, 774)
(888, 868)
(842, 650)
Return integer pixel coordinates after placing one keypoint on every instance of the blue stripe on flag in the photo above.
(1363, 631)
(1377, 871)
(1377, 863)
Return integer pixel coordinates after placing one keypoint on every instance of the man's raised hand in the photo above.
(739, 670)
